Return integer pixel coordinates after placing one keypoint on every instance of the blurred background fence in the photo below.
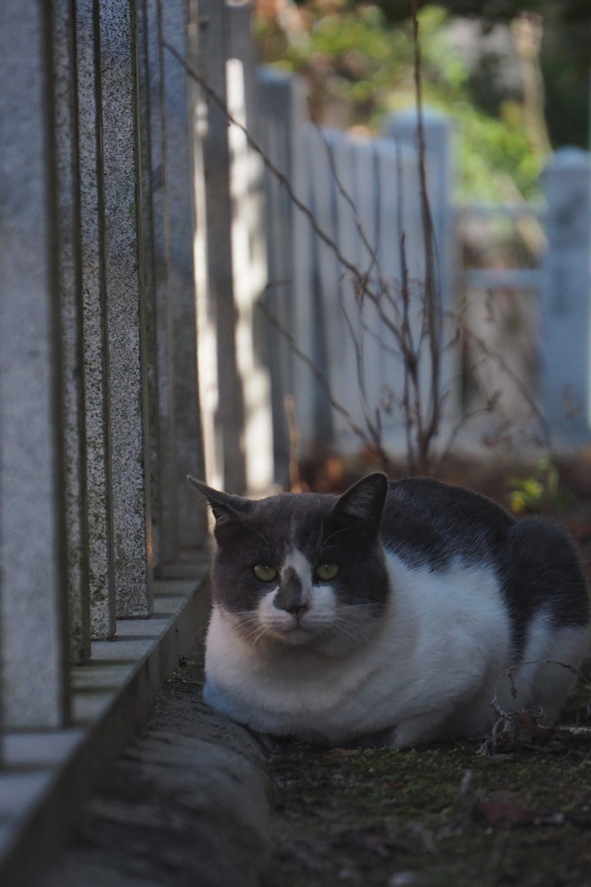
(535, 377)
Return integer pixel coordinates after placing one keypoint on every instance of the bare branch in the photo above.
(414, 321)
(276, 172)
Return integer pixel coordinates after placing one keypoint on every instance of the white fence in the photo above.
(351, 185)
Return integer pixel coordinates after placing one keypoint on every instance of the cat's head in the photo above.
(301, 568)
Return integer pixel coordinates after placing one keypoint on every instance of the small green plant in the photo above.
(539, 492)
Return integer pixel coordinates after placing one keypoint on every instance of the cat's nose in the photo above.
(290, 596)
(291, 601)
(297, 610)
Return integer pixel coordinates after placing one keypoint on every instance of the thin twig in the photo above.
(276, 172)
(372, 250)
(318, 375)
(422, 421)
(566, 665)
(490, 352)
(431, 297)
(295, 483)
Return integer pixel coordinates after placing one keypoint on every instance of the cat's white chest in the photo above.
(430, 651)
(302, 692)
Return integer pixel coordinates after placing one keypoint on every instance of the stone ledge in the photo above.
(47, 775)
(185, 804)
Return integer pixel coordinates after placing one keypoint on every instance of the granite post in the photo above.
(99, 521)
(70, 286)
(127, 365)
(33, 578)
(178, 516)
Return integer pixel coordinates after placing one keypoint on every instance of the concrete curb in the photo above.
(48, 775)
(186, 804)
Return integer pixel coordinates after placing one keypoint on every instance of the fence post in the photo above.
(174, 413)
(70, 283)
(99, 522)
(403, 127)
(437, 130)
(222, 403)
(275, 99)
(248, 248)
(565, 298)
(126, 321)
(282, 108)
(32, 521)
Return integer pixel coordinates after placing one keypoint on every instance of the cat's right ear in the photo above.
(364, 501)
(225, 506)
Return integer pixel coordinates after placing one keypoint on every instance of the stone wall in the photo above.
(128, 275)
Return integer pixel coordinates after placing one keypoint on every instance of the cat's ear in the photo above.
(364, 501)
(225, 506)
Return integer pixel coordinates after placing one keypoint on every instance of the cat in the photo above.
(414, 610)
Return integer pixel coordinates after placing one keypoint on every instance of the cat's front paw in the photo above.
(391, 742)
(217, 699)
(413, 731)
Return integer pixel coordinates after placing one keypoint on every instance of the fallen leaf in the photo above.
(502, 813)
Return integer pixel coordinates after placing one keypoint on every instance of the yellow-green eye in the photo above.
(324, 572)
(264, 572)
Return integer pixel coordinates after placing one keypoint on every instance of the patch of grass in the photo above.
(430, 816)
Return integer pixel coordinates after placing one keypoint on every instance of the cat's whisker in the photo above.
(258, 632)
(248, 626)
(354, 633)
(249, 632)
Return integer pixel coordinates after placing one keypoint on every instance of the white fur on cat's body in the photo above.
(331, 690)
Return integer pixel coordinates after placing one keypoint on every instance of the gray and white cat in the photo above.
(406, 607)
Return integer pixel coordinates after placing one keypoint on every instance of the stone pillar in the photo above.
(70, 285)
(147, 43)
(99, 521)
(32, 515)
(127, 365)
(565, 300)
(179, 522)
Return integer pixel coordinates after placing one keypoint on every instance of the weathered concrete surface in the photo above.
(185, 804)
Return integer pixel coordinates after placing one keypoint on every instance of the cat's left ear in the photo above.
(364, 501)
(225, 506)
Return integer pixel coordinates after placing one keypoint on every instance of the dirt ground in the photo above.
(515, 810)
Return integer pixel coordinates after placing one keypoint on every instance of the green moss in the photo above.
(366, 816)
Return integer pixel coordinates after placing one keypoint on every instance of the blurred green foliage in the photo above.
(540, 492)
(357, 57)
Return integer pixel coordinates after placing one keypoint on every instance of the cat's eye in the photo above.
(324, 572)
(264, 572)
